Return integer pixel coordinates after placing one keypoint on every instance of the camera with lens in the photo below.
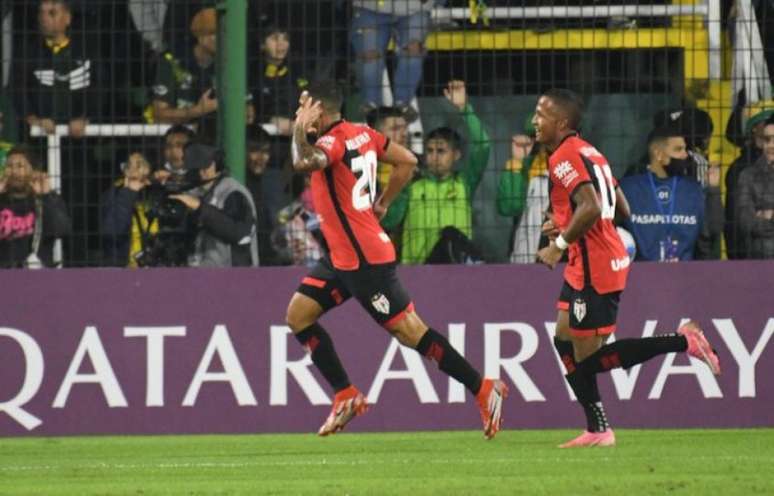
(172, 242)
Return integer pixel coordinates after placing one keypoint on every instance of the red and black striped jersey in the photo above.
(344, 193)
(598, 258)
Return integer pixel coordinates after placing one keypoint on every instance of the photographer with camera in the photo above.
(224, 219)
(31, 215)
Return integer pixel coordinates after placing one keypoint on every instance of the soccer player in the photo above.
(361, 263)
(584, 199)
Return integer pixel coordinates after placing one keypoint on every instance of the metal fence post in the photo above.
(232, 83)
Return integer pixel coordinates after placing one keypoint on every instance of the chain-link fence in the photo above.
(101, 96)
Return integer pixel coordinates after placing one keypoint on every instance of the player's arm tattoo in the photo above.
(306, 157)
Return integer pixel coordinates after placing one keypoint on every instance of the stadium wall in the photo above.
(206, 351)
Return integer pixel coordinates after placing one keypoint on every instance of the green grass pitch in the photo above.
(657, 462)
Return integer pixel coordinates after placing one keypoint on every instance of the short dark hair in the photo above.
(769, 121)
(273, 28)
(378, 115)
(570, 103)
(329, 93)
(28, 153)
(447, 134)
(180, 129)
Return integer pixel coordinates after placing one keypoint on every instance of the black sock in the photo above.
(588, 396)
(566, 354)
(436, 347)
(626, 353)
(317, 341)
(587, 393)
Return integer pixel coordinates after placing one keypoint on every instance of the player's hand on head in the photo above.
(303, 97)
(307, 114)
(456, 93)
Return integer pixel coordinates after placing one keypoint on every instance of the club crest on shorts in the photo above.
(381, 303)
(579, 309)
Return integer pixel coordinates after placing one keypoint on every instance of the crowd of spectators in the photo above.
(171, 201)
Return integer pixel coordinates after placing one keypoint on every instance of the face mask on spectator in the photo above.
(677, 166)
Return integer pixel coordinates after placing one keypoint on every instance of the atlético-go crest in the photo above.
(381, 303)
(579, 309)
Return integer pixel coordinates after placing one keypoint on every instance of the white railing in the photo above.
(709, 9)
(54, 141)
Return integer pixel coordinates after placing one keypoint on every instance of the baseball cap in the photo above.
(761, 116)
(691, 122)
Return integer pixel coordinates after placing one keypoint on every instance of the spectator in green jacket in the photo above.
(437, 208)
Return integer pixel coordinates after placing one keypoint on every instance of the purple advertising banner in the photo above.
(207, 351)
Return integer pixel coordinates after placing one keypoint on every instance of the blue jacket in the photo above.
(667, 228)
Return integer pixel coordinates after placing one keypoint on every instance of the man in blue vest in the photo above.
(667, 207)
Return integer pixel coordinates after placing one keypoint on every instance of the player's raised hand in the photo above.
(309, 111)
(456, 93)
(303, 97)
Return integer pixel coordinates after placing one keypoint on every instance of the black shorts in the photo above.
(591, 313)
(376, 287)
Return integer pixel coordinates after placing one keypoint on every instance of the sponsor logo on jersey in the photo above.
(619, 263)
(358, 141)
(565, 173)
(579, 309)
(326, 142)
(381, 303)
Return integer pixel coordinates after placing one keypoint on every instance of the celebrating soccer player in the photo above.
(584, 199)
(361, 262)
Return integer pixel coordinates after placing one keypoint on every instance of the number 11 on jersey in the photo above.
(604, 179)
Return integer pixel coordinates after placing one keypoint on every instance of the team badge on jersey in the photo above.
(381, 303)
(579, 309)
